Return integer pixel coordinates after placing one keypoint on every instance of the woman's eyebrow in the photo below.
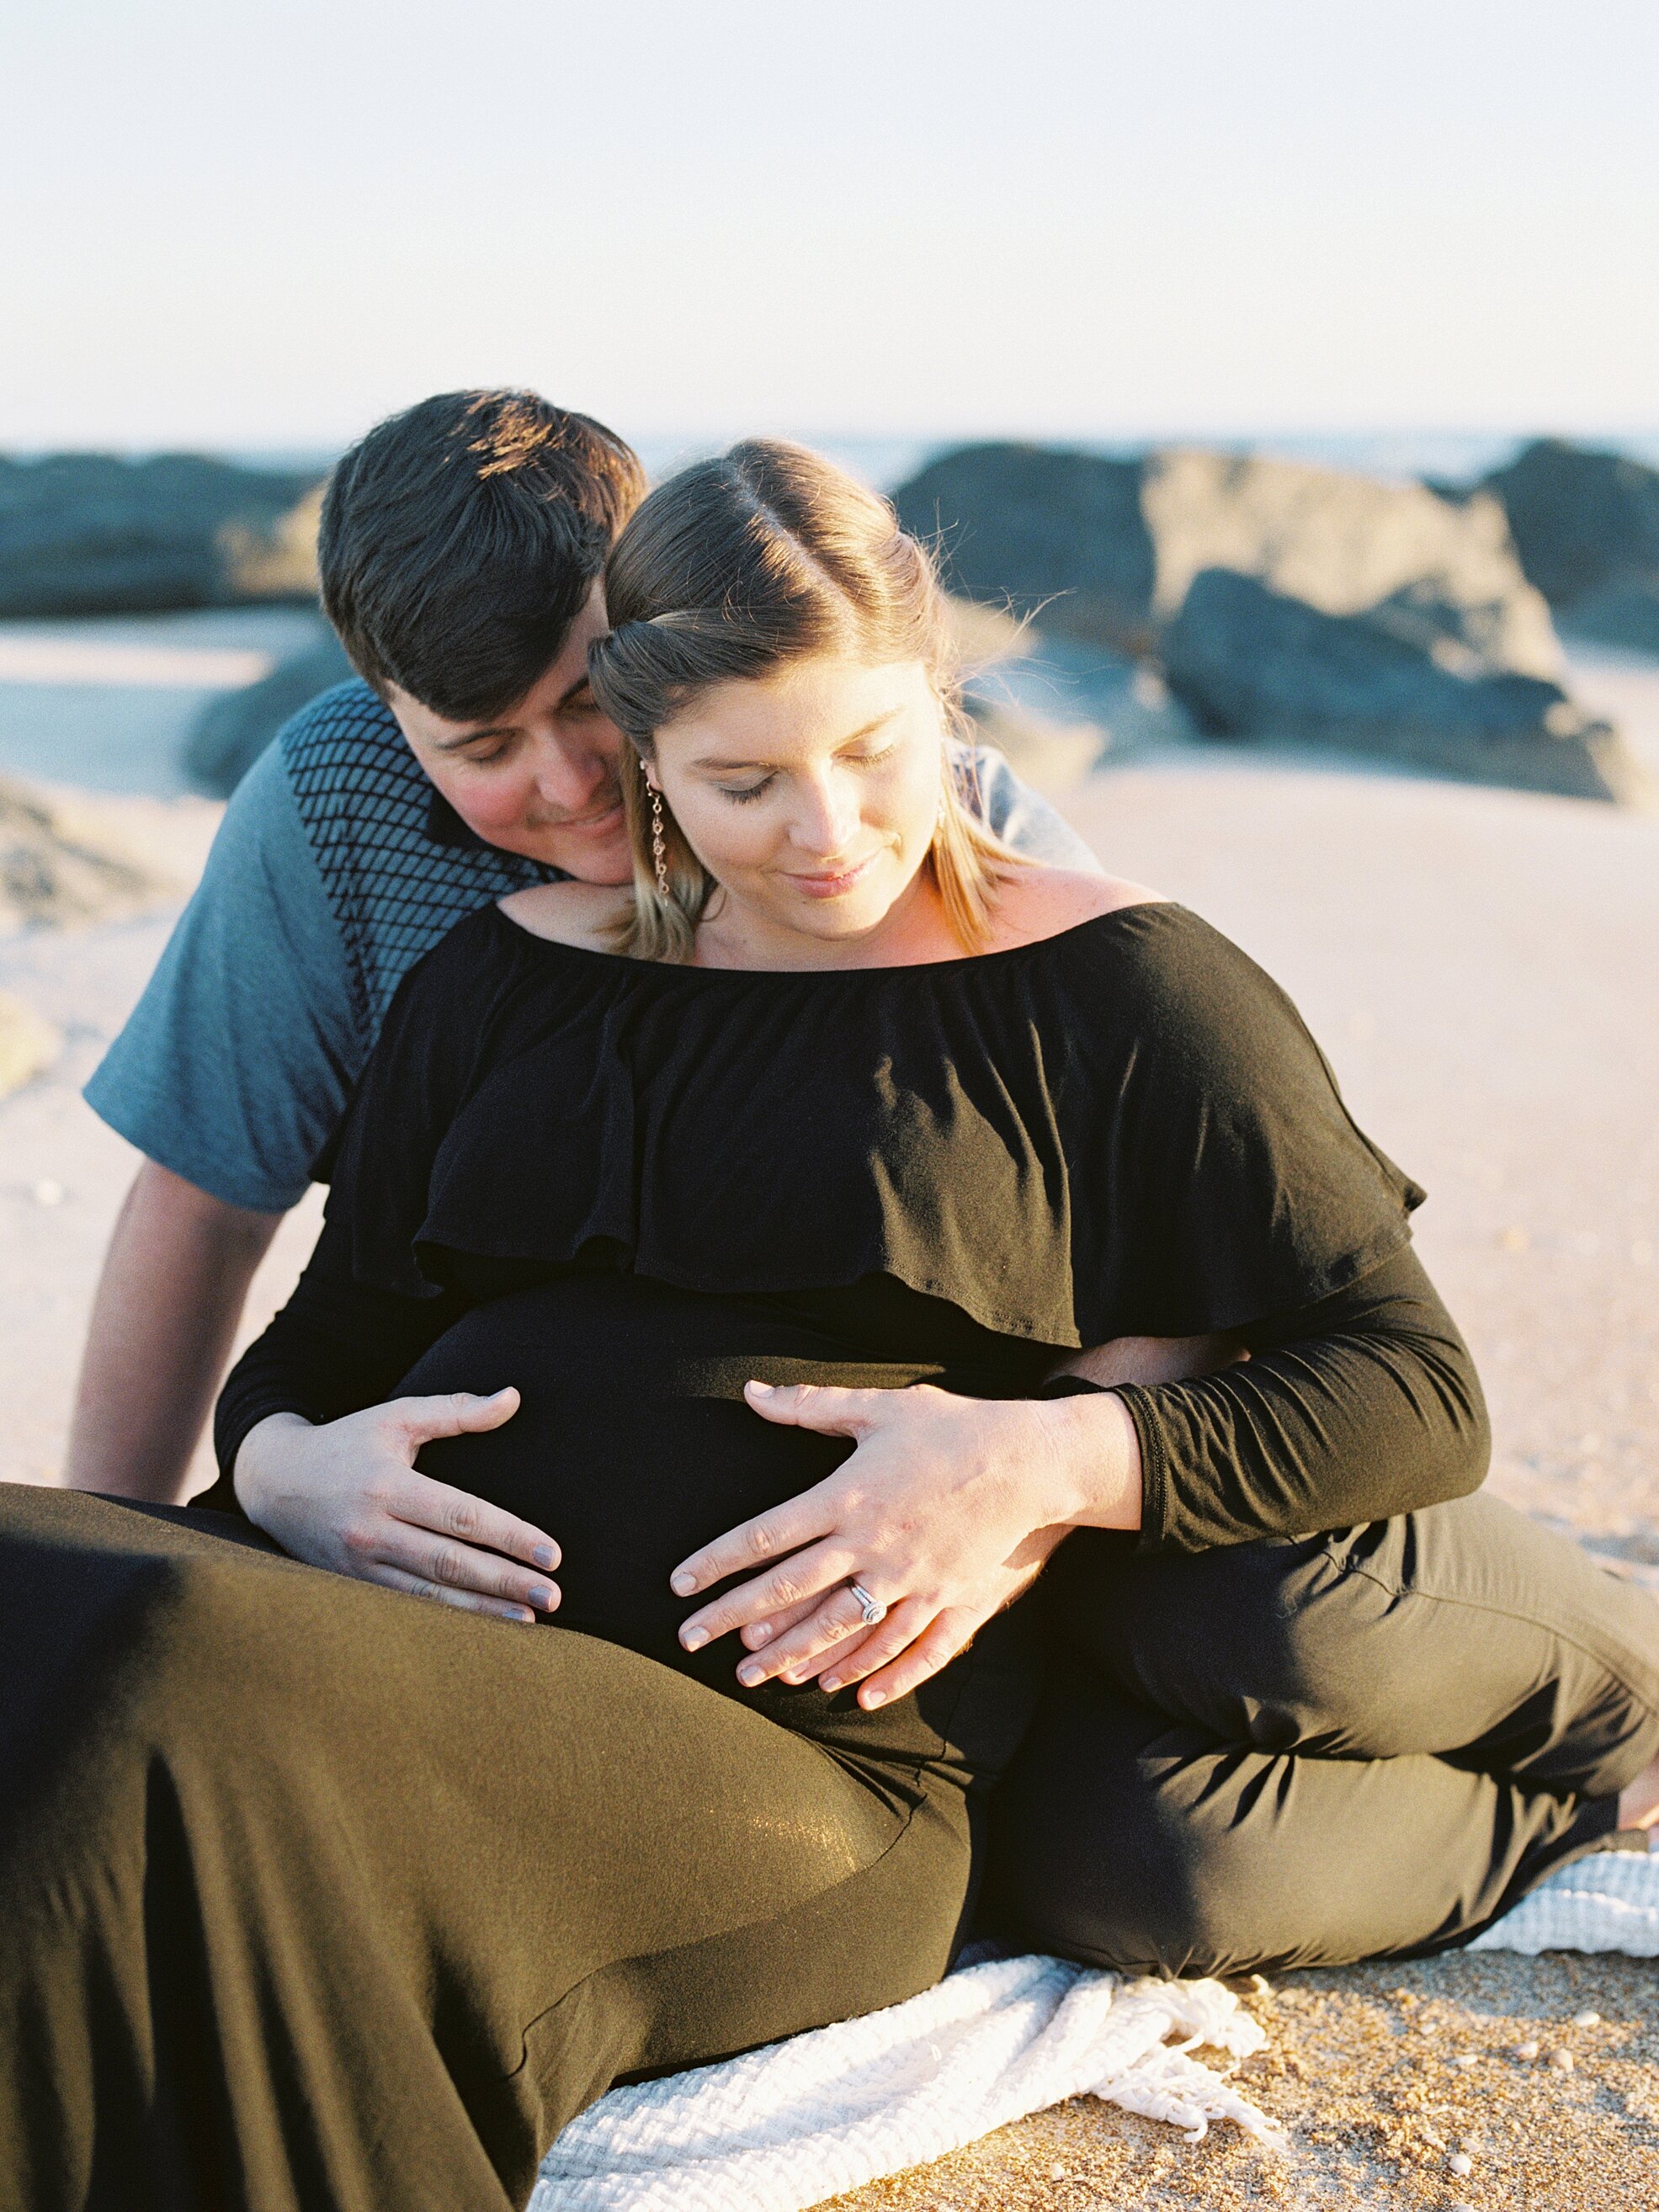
(730, 767)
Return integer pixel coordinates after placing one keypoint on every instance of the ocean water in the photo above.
(1448, 456)
(106, 703)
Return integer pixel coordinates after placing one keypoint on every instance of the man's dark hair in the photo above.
(459, 541)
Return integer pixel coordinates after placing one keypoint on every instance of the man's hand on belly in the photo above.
(948, 1509)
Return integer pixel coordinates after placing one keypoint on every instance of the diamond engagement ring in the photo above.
(871, 1607)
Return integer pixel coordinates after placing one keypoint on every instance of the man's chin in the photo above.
(600, 854)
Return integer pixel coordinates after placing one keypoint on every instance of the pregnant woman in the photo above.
(764, 1251)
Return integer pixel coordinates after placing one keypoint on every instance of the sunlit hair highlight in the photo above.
(732, 570)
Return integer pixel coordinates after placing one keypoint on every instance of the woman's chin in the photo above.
(839, 913)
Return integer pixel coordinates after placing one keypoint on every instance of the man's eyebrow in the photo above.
(730, 767)
(581, 687)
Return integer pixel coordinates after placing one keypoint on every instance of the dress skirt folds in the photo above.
(315, 1898)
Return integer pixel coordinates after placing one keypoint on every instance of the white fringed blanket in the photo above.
(783, 2128)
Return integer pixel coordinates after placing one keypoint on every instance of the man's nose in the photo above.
(571, 768)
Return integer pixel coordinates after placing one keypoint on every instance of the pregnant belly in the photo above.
(633, 1445)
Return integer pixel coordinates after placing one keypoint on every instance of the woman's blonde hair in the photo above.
(731, 569)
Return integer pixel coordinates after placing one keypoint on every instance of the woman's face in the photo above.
(811, 796)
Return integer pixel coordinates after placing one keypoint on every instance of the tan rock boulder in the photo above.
(53, 873)
(28, 1044)
(1105, 550)
(1426, 570)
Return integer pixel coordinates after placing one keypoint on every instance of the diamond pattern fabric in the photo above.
(398, 866)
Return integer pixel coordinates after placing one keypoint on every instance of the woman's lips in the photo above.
(832, 883)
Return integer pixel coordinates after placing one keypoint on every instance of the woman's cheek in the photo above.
(723, 835)
(908, 806)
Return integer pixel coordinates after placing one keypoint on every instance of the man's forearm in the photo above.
(175, 1279)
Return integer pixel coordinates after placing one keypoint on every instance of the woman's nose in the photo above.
(828, 820)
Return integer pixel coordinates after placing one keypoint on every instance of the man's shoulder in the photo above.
(1017, 814)
(346, 738)
(399, 869)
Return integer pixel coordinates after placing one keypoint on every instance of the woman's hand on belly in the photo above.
(948, 1508)
(346, 1495)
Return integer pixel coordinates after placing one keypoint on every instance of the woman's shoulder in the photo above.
(444, 1006)
(582, 914)
(1040, 902)
(1155, 974)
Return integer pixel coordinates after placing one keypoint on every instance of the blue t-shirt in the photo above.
(337, 864)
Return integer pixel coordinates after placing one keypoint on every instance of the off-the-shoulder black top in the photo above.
(971, 1166)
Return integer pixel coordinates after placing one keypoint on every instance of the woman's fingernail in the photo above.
(749, 1676)
(694, 1638)
(542, 1556)
(684, 1583)
(528, 1617)
(763, 1390)
(540, 1597)
(831, 1683)
(874, 1698)
(759, 1634)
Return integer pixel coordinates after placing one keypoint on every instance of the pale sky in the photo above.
(265, 226)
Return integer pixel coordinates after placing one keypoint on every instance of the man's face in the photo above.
(541, 779)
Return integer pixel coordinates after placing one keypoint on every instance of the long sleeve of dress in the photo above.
(1364, 1406)
(339, 1345)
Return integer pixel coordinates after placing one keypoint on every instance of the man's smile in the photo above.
(602, 822)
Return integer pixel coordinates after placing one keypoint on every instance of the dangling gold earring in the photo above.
(658, 849)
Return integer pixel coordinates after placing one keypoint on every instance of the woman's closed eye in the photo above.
(740, 794)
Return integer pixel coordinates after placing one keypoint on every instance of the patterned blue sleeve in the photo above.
(236, 1063)
(1024, 820)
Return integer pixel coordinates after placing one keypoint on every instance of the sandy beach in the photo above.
(1482, 969)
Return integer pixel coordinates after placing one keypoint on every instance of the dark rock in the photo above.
(231, 731)
(1285, 598)
(1624, 614)
(1044, 531)
(1586, 524)
(1249, 662)
(1105, 550)
(90, 534)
